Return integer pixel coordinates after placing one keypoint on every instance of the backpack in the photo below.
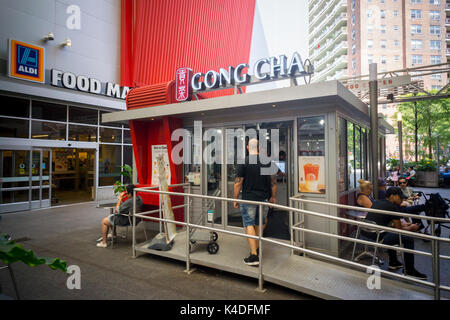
(435, 206)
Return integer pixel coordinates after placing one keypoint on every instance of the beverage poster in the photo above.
(160, 150)
(311, 173)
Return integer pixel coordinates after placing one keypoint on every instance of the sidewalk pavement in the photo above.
(70, 233)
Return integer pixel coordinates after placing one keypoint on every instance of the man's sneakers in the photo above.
(252, 260)
(102, 245)
(395, 265)
(416, 274)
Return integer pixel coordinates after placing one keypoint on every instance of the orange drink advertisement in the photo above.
(311, 174)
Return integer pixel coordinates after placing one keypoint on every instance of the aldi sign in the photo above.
(26, 61)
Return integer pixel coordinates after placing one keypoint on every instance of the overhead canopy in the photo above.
(268, 104)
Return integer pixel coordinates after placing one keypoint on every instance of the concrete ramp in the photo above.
(310, 276)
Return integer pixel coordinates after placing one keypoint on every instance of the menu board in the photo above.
(311, 171)
(160, 150)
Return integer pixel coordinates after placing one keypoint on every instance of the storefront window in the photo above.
(82, 133)
(14, 107)
(311, 149)
(342, 159)
(14, 128)
(48, 130)
(351, 154)
(127, 136)
(110, 135)
(110, 158)
(49, 111)
(83, 115)
(127, 159)
(191, 158)
(358, 175)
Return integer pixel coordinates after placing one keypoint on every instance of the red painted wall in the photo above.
(160, 36)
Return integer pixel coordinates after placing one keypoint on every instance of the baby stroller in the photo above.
(436, 206)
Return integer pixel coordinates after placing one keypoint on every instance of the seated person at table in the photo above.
(406, 205)
(123, 207)
(392, 202)
(364, 198)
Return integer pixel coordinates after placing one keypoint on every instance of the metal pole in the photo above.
(400, 141)
(160, 223)
(436, 264)
(134, 224)
(437, 158)
(188, 257)
(291, 231)
(373, 90)
(260, 278)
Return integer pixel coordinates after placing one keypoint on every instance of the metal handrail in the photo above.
(436, 285)
(392, 213)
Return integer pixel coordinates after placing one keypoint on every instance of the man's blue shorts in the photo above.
(250, 214)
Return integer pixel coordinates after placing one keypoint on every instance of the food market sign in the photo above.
(266, 69)
(69, 80)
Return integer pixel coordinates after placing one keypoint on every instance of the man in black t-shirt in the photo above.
(394, 197)
(256, 186)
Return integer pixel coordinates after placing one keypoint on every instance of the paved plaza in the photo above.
(70, 233)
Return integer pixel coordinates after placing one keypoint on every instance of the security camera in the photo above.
(69, 145)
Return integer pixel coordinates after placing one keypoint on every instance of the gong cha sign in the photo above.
(266, 69)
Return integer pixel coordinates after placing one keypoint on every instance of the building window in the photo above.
(395, 28)
(370, 58)
(435, 30)
(383, 59)
(416, 1)
(416, 59)
(49, 111)
(370, 44)
(435, 45)
(354, 63)
(396, 43)
(416, 14)
(354, 49)
(383, 14)
(435, 2)
(14, 107)
(383, 44)
(383, 28)
(83, 115)
(353, 4)
(353, 19)
(436, 87)
(382, 1)
(416, 28)
(14, 128)
(353, 34)
(395, 13)
(369, 13)
(396, 58)
(48, 130)
(436, 76)
(435, 15)
(416, 44)
(436, 59)
(110, 160)
(370, 28)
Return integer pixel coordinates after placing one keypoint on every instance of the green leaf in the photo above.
(11, 252)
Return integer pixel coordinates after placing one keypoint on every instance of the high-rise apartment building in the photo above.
(345, 36)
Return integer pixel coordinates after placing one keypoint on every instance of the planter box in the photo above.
(427, 179)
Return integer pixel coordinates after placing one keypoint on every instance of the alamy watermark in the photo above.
(74, 280)
(374, 280)
(235, 144)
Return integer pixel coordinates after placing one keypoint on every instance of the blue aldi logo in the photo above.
(26, 61)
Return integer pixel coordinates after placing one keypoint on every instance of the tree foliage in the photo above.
(433, 121)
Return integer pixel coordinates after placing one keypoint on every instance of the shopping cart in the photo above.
(197, 235)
